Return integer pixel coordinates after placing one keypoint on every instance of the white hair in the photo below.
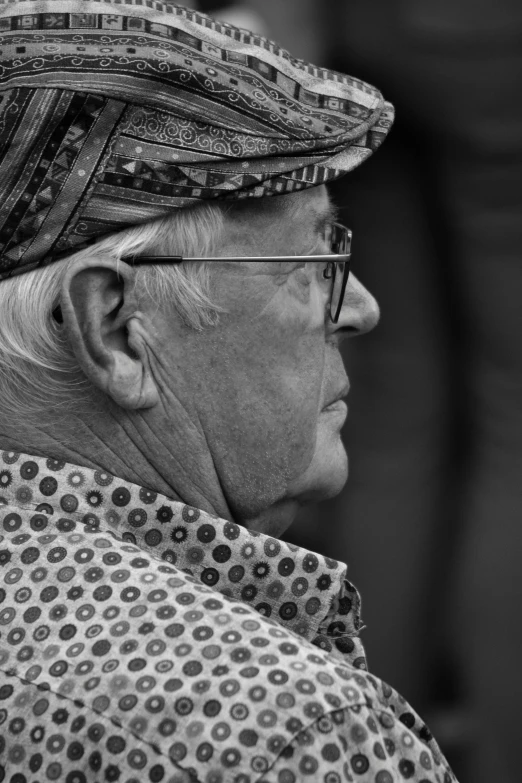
(39, 375)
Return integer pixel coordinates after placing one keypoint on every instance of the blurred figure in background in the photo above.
(431, 517)
(234, 12)
(434, 504)
(296, 24)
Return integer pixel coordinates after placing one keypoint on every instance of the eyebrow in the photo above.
(329, 215)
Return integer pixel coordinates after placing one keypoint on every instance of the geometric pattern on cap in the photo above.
(113, 115)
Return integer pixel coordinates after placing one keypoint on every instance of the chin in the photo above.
(326, 475)
(328, 486)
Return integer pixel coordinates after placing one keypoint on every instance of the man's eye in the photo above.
(328, 270)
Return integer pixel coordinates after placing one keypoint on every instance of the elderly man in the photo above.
(171, 390)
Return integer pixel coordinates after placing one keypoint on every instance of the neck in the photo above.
(126, 446)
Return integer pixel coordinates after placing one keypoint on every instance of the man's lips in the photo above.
(338, 407)
(337, 401)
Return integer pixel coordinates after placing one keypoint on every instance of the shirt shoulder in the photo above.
(360, 743)
(113, 660)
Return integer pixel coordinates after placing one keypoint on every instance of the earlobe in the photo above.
(105, 331)
(131, 384)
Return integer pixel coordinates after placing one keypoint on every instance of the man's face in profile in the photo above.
(266, 382)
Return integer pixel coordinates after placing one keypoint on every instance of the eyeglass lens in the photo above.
(339, 239)
(338, 288)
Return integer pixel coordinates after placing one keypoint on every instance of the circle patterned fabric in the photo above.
(141, 639)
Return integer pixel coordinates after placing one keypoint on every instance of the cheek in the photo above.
(286, 379)
(268, 388)
(300, 385)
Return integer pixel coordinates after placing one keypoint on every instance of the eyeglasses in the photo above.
(337, 263)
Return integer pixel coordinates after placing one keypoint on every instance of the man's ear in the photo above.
(107, 332)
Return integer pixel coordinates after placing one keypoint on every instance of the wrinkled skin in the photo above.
(235, 419)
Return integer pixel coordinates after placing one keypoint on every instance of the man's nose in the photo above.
(360, 312)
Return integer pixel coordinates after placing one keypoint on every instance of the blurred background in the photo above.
(430, 522)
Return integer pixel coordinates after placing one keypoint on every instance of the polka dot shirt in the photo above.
(144, 640)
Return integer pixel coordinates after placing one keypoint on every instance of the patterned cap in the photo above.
(114, 114)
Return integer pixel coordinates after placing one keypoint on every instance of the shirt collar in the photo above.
(303, 591)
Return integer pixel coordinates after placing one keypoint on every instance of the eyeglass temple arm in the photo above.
(137, 260)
